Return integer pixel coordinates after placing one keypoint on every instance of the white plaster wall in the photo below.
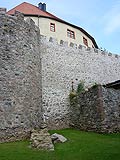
(61, 31)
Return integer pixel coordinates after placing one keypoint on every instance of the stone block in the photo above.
(73, 45)
(54, 40)
(19, 15)
(80, 46)
(30, 21)
(64, 43)
(3, 10)
(41, 140)
(95, 50)
(56, 138)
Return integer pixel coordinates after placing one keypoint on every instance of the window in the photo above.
(70, 34)
(52, 27)
(85, 41)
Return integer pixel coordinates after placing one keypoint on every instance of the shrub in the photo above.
(72, 95)
(80, 87)
(95, 85)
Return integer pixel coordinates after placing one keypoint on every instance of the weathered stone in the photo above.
(43, 125)
(97, 110)
(2, 10)
(58, 138)
(41, 140)
(63, 64)
(20, 79)
(26, 83)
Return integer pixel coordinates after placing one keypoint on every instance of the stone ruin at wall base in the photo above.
(36, 76)
(97, 109)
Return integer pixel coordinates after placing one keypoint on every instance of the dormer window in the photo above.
(52, 27)
(85, 41)
(70, 33)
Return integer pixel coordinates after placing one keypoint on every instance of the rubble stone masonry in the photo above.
(62, 64)
(36, 75)
(97, 109)
(20, 77)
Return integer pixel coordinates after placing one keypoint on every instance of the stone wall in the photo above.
(97, 109)
(87, 110)
(62, 64)
(20, 77)
(34, 69)
(111, 106)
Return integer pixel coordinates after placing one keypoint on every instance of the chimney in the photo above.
(42, 6)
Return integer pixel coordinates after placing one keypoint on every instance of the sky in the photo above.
(100, 18)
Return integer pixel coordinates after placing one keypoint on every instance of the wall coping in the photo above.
(63, 43)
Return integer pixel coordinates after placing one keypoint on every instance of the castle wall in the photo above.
(37, 75)
(96, 110)
(62, 64)
(20, 77)
(111, 106)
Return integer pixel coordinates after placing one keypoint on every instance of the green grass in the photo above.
(80, 146)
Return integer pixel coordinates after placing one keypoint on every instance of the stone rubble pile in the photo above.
(41, 139)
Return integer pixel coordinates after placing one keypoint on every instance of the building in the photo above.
(52, 26)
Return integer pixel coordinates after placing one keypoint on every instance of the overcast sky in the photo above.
(100, 18)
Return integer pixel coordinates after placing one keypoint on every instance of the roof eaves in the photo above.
(115, 85)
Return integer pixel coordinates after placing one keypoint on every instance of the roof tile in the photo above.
(29, 9)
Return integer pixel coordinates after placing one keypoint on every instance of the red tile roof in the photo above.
(29, 9)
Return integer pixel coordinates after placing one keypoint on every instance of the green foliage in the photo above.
(73, 98)
(80, 146)
(72, 95)
(95, 85)
(80, 87)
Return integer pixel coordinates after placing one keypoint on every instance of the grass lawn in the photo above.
(80, 146)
